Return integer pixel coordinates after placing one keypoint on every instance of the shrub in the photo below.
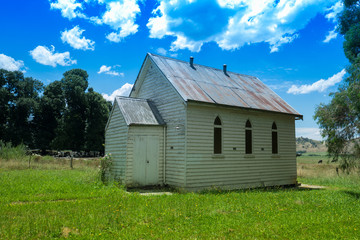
(105, 168)
(7, 151)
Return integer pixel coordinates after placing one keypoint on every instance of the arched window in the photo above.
(274, 137)
(217, 136)
(248, 137)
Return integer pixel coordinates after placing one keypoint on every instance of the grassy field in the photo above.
(51, 201)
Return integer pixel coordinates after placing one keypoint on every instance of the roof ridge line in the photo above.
(218, 69)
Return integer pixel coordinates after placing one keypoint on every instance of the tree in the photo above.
(19, 99)
(339, 120)
(5, 98)
(48, 115)
(97, 115)
(71, 128)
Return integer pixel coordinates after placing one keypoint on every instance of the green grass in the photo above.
(45, 203)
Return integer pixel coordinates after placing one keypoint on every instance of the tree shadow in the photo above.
(353, 194)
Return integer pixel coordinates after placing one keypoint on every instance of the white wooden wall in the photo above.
(115, 143)
(233, 169)
(156, 88)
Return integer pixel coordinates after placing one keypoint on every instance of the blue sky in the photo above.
(291, 45)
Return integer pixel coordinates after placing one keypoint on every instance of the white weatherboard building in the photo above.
(196, 127)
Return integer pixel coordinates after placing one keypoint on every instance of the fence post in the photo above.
(30, 159)
(71, 160)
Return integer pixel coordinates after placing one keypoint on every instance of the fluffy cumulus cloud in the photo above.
(235, 23)
(74, 39)
(120, 16)
(318, 86)
(107, 70)
(48, 56)
(10, 64)
(123, 91)
(69, 8)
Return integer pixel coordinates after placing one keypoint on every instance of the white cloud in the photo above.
(9, 63)
(46, 56)
(334, 10)
(234, 23)
(107, 70)
(312, 133)
(74, 39)
(164, 52)
(123, 91)
(69, 8)
(319, 86)
(331, 35)
(161, 51)
(119, 15)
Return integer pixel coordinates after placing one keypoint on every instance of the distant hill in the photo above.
(310, 145)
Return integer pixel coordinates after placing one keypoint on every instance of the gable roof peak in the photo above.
(219, 86)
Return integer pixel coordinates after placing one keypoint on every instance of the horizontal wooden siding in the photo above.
(233, 168)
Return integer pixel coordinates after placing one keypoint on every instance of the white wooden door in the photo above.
(146, 158)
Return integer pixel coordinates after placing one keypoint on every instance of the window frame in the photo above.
(248, 133)
(274, 135)
(217, 128)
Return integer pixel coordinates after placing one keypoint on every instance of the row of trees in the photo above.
(65, 114)
(340, 119)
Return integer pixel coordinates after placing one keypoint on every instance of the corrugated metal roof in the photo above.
(206, 84)
(139, 111)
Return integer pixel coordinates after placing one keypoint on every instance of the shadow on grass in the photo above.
(275, 189)
(151, 189)
(217, 191)
(353, 194)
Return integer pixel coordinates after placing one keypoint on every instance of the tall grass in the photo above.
(15, 158)
(9, 152)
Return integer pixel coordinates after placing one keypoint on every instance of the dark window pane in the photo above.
(217, 121)
(248, 142)
(217, 140)
(274, 143)
(248, 124)
(274, 126)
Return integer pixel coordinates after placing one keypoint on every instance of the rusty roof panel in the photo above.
(222, 95)
(139, 111)
(189, 89)
(206, 84)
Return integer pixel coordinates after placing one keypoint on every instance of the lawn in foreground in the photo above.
(72, 203)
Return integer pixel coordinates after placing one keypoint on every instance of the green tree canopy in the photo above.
(71, 130)
(65, 116)
(19, 99)
(339, 120)
(48, 115)
(97, 115)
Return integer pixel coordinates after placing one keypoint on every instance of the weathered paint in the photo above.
(188, 107)
(153, 85)
(119, 141)
(139, 111)
(116, 143)
(233, 168)
(206, 84)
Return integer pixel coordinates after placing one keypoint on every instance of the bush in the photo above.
(105, 168)
(8, 152)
